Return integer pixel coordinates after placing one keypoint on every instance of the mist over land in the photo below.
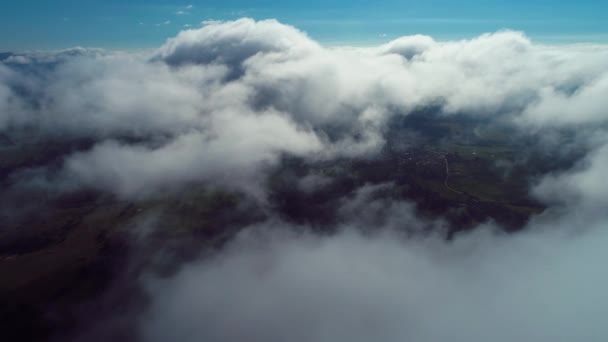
(244, 182)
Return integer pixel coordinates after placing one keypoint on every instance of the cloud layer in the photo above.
(350, 287)
(224, 103)
(208, 86)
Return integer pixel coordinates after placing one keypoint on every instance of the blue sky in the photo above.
(133, 24)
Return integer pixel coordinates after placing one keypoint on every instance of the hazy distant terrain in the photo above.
(243, 182)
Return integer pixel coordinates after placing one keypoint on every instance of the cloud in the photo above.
(277, 286)
(13, 109)
(540, 285)
(583, 104)
(100, 97)
(410, 46)
(224, 103)
(48, 58)
(340, 100)
(17, 60)
(228, 159)
(373, 280)
(232, 42)
(581, 187)
(211, 22)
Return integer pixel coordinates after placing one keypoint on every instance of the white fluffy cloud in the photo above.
(410, 46)
(277, 287)
(586, 104)
(339, 100)
(233, 42)
(226, 153)
(581, 188)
